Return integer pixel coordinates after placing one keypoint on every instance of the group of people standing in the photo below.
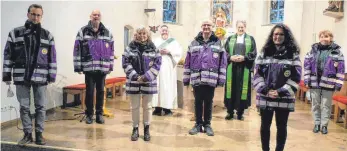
(277, 71)
(150, 68)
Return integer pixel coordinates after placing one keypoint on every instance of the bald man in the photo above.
(204, 74)
(93, 56)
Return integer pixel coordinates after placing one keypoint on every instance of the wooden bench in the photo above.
(340, 103)
(114, 83)
(80, 90)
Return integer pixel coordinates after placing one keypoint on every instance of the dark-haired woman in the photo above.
(277, 74)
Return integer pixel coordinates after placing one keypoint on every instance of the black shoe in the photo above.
(39, 138)
(208, 130)
(156, 112)
(316, 128)
(324, 130)
(89, 119)
(99, 119)
(229, 116)
(241, 118)
(135, 134)
(28, 138)
(196, 129)
(146, 136)
(167, 112)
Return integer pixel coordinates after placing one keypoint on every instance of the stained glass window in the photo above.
(276, 11)
(169, 11)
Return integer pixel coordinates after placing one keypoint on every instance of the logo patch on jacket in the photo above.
(336, 64)
(215, 55)
(151, 63)
(287, 73)
(107, 45)
(44, 51)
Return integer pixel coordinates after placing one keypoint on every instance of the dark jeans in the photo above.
(94, 80)
(281, 123)
(203, 97)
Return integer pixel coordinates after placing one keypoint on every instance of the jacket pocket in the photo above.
(19, 48)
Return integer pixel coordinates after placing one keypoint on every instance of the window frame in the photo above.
(277, 11)
(168, 9)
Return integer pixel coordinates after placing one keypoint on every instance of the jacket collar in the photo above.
(29, 26)
(101, 29)
(199, 38)
(149, 46)
(334, 47)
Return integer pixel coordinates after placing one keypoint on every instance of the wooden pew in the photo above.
(340, 103)
(80, 89)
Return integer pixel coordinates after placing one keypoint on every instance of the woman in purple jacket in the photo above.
(324, 73)
(141, 63)
(277, 74)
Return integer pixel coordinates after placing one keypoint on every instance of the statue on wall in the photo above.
(335, 6)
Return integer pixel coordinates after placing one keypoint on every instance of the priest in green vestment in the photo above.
(242, 52)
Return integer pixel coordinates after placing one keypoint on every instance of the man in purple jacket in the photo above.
(204, 69)
(30, 59)
(94, 56)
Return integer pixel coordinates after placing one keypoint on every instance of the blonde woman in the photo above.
(324, 73)
(141, 63)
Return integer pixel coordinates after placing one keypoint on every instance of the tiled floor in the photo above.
(171, 133)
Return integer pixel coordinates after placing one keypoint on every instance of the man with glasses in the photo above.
(30, 59)
(94, 56)
(205, 69)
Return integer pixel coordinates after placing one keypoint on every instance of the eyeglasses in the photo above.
(35, 15)
(278, 34)
(208, 25)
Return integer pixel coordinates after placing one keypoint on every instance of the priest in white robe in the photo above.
(171, 53)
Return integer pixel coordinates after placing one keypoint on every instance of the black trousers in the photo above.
(281, 123)
(94, 80)
(203, 97)
(240, 108)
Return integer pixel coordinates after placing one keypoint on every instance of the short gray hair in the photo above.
(241, 21)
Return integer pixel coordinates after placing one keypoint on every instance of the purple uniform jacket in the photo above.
(281, 74)
(334, 69)
(136, 63)
(41, 69)
(93, 51)
(205, 63)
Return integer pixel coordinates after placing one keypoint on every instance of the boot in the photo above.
(28, 138)
(229, 117)
(157, 111)
(99, 119)
(89, 119)
(208, 130)
(146, 136)
(316, 129)
(240, 117)
(196, 129)
(135, 134)
(324, 130)
(39, 138)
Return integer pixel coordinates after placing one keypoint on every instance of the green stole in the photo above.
(232, 42)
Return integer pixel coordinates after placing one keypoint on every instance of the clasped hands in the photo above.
(273, 94)
(237, 58)
(164, 51)
(141, 79)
